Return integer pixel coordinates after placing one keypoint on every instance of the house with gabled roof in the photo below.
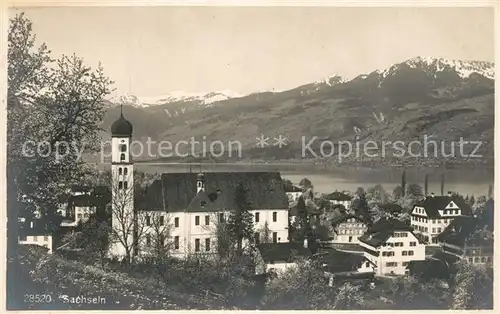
(293, 192)
(348, 228)
(339, 198)
(277, 257)
(432, 215)
(341, 264)
(391, 244)
(468, 238)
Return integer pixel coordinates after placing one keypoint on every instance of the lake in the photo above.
(463, 181)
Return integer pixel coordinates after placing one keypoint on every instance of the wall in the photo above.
(41, 240)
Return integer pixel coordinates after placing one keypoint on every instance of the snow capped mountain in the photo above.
(434, 66)
(204, 99)
(331, 80)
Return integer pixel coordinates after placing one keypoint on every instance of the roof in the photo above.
(310, 208)
(282, 252)
(343, 218)
(461, 230)
(121, 127)
(429, 268)
(382, 230)
(39, 228)
(391, 207)
(292, 188)
(433, 204)
(338, 196)
(338, 261)
(175, 191)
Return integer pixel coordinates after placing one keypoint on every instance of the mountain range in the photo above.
(445, 99)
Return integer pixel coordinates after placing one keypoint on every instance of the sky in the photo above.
(150, 51)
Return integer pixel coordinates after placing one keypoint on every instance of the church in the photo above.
(189, 205)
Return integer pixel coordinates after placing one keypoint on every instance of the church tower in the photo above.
(122, 187)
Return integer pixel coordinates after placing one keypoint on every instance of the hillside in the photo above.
(421, 96)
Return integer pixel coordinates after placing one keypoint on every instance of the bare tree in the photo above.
(157, 241)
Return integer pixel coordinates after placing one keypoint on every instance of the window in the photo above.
(45, 238)
(483, 259)
(275, 237)
(123, 148)
(257, 217)
(275, 216)
(207, 220)
(404, 253)
(120, 171)
(148, 239)
(79, 216)
(176, 242)
(23, 238)
(433, 230)
(46, 246)
(256, 238)
(410, 253)
(439, 230)
(426, 229)
(120, 185)
(367, 264)
(35, 238)
(470, 260)
(122, 157)
(433, 221)
(391, 264)
(207, 245)
(125, 185)
(196, 245)
(196, 220)
(405, 263)
(148, 220)
(221, 217)
(176, 222)
(162, 220)
(476, 259)
(125, 171)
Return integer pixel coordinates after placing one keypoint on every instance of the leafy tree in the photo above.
(361, 207)
(51, 103)
(397, 192)
(409, 293)
(349, 297)
(303, 287)
(301, 225)
(415, 191)
(305, 183)
(265, 234)
(473, 287)
(240, 221)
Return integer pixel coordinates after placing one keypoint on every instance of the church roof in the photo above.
(177, 191)
(121, 127)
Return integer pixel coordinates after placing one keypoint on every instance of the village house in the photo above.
(466, 238)
(391, 244)
(293, 193)
(35, 233)
(431, 216)
(339, 198)
(347, 229)
(190, 205)
(339, 264)
(277, 257)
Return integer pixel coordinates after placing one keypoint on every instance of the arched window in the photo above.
(120, 185)
(122, 157)
(123, 148)
(125, 185)
(125, 171)
(120, 171)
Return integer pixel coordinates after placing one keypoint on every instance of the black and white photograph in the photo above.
(229, 157)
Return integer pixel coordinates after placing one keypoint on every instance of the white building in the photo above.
(431, 216)
(293, 193)
(348, 229)
(391, 244)
(183, 210)
(36, 235)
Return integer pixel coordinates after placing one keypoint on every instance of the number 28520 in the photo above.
(37, 298)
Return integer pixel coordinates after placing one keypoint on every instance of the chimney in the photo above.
(305, 243)
(31, 224)
(432, 194)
